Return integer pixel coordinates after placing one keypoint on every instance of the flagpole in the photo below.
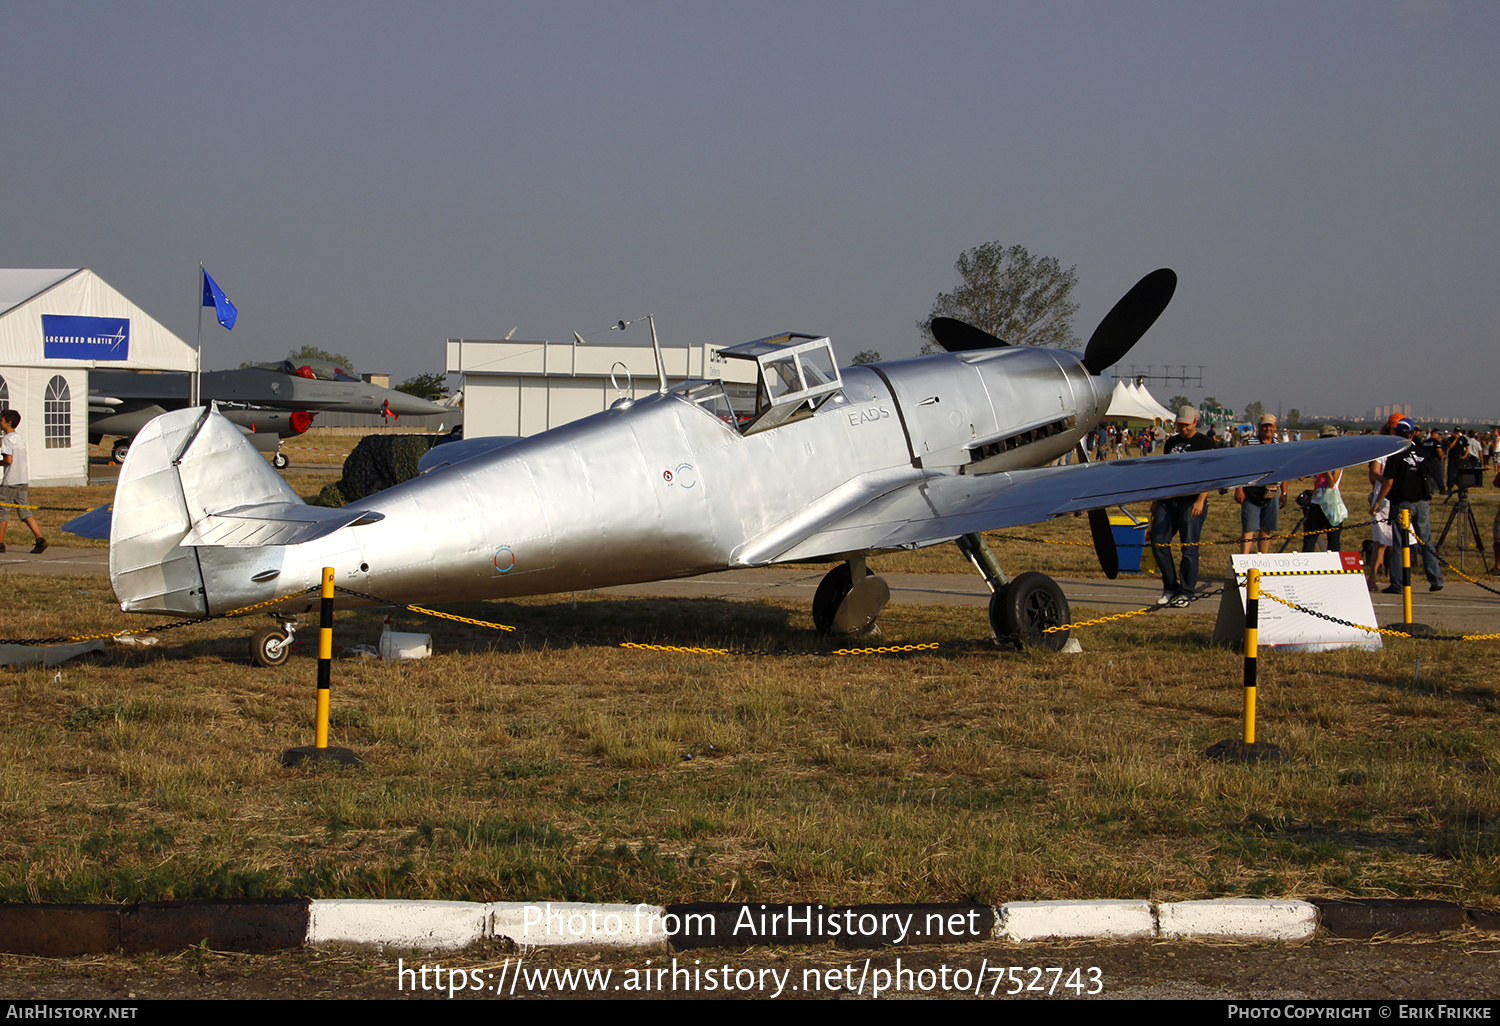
(198, 353)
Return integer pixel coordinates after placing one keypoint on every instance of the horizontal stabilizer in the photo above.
(93, 524)
(273, 523)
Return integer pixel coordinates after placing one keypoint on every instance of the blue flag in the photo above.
(214, 296)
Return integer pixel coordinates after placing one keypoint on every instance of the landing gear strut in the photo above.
(841, 608)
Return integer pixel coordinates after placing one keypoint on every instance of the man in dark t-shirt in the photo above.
(1182, 516)
(1407, 481)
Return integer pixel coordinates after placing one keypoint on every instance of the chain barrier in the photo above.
(1180, 544)
(1393, 632)
(1125, 616)
(576, 639)
(54, 509)
(156, 628)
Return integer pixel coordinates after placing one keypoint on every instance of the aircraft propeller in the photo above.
(1129, 319)
(957, 337)
(1103, 534)
(1104, 542)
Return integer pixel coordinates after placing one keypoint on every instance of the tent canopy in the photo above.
(1131, 402)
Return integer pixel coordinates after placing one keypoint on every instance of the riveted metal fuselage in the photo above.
(662, 488)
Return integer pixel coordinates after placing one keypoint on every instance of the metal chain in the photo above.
(647, 647)
(156, 628)
(1377, 630)
(1179, 544)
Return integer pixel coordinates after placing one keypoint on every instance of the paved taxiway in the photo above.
(1459, 607)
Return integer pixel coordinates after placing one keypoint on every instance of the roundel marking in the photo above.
(686, 475)
(504, 560)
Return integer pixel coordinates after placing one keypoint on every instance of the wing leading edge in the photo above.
(939, 509)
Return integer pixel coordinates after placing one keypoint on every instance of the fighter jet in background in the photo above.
(267, 401)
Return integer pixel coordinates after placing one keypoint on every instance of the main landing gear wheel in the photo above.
(837, 607)
(1022, 609)
(832, 590)
(270, 646)
(120, 451)
(281, 461)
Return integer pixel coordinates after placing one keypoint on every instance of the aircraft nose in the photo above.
(404, 405)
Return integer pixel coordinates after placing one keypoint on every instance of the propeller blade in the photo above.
(1124, 325)
(1104, 535)
(958, 337)
(1104, 542)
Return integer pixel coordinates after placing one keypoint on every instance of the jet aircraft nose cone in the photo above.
(404, 405)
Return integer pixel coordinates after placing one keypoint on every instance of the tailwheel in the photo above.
(270, 646)
(1024, 608)
(839, 608)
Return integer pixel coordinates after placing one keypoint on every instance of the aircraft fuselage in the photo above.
(661, 487)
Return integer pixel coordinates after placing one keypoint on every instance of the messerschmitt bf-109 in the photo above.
(269, 401)
(829, 466)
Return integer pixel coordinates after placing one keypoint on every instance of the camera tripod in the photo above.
(1464, 513)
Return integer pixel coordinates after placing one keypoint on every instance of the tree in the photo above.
(1253, 412)
(1023, 299)
(424, 385)
(1177, 402)
(1294, 416)
(864, 356)
(314, 353)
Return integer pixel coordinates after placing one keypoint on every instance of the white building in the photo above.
(524, 388)
(55, 325)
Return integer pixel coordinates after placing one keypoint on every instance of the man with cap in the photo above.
(1260, 505)
(1182, 516)
(1409, 485)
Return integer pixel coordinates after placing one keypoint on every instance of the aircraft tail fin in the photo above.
(183, 467)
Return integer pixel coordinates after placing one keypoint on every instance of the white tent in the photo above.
(55, 325)
(1133, 402)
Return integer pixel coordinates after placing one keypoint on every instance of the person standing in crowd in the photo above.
(13, 490)
(1317, 517)
(1381, 538)
(1182, 516)
(1409, 487)
(1260, 505)
(1453, 452)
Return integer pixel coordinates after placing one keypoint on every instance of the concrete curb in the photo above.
(258, 926)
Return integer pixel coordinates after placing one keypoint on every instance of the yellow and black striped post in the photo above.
(320, 749)
(1252, 649)
(1405, 538)
(325, 656)
(1405, 565)
(1246, 748)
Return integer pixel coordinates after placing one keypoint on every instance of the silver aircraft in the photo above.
(268, 401)
(829, 466)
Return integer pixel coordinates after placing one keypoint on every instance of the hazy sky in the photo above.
(374, 178)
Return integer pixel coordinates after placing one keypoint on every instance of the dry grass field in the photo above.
(518, 768)
(526, 766)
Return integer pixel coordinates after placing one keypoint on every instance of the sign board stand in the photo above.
(1321, 581)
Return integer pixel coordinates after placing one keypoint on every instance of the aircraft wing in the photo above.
(939, 509)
